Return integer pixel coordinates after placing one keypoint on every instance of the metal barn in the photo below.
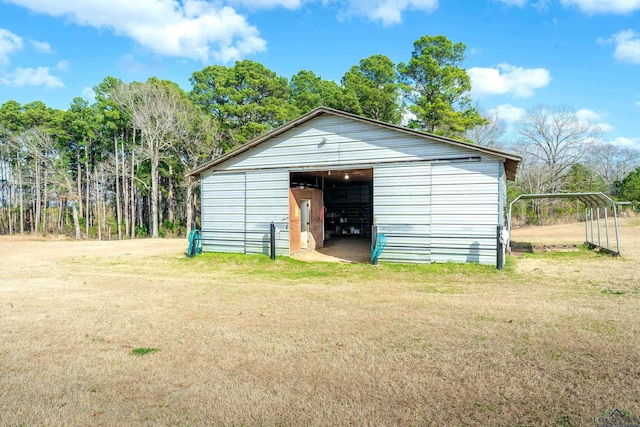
(331, 176)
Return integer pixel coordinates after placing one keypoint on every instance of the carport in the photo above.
(592, 202)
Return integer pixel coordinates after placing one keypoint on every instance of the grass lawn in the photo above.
(135, 333)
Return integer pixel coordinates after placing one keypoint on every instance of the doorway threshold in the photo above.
(351, 250)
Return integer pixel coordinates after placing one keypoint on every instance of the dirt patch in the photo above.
(521, 248)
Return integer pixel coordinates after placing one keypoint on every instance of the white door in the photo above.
(305, 216)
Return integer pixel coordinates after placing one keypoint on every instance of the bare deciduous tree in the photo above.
(198, 140)
(486, 135)
(41, 149)
(153, 107)
(613, 162)
(555, 138)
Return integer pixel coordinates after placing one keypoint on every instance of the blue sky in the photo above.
(520, 53)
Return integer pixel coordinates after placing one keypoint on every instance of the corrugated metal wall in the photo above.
(267, 201)
(464, 212)
(223, 212)
(238, 208)
(401, 210)
(430, 211)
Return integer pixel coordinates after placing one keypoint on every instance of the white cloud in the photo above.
(627, 46)
(387, 11)
(540, 5)
(593, 117)
(63, 66)
(9, 43)
(42, 47)
(508, 113)
(588, 115)
(40, 76)
(193, 29)
(604, 6)
(89, 94)
(605, 127)
(633, 143)
(267, 4)
(508, 79)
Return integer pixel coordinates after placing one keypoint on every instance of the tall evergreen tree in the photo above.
(437, 87)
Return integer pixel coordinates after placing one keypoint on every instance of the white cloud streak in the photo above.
(193, 29)
(508, 79)
(267, 4)
(40, 76)
(604, 6)
(89, 94)
(633, 143)
(42, 47)
(9, 43)
(593, 117)
(508, 113)
(63, 66)
(388, 12)
(627, 46)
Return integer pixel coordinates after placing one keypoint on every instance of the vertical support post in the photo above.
(586, 225)
(606, 227)
(499, 248)
(598, 220)
(615, 220)
(272, 246)
(591, 221)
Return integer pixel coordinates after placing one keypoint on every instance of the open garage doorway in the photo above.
(340, 213)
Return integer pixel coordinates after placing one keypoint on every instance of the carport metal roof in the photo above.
(591, 200)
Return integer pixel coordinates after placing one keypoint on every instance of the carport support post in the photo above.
(606, 227)
(586, 224)
(598, 219)
(591, 217)
(273, 240)
(615, 220)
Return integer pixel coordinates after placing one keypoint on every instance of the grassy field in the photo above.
(135, 333)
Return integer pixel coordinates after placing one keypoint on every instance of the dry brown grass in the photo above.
(551, 340)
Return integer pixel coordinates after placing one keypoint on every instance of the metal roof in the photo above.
(512, 161)
(591, 200)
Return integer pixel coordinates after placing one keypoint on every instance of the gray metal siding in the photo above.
(338, 141)
(430, 210)
(267, 201)
(465, 211)
(238, 208)
(223, 212)
(401, 210)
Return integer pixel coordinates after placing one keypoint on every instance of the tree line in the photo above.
(115, 168)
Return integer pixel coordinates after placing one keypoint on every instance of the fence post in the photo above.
(500, 248)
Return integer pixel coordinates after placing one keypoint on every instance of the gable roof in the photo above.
(512, 161)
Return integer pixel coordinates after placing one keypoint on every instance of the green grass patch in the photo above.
(291, 271)
(141, 351)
